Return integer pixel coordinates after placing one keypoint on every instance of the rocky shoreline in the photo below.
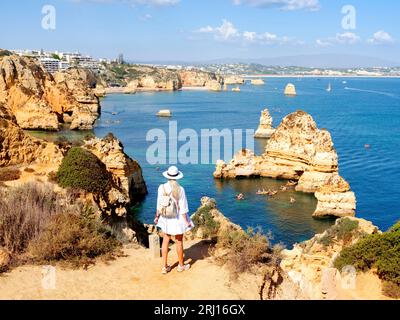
(299, 151)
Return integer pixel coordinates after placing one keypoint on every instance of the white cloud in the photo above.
(228, 32)
(146, 17)
(381, 37)
(289, 5)
(347, 38)
(323, 43)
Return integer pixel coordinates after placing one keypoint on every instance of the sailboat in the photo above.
(329, 89)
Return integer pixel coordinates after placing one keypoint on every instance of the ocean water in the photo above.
(359, 112)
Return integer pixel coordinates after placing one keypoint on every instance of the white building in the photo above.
(53, 65)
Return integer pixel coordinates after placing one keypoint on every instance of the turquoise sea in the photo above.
(357, 112)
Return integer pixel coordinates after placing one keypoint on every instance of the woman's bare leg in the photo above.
(179, 248)
(165, 248)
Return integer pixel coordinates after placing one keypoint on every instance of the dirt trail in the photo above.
(137, 276)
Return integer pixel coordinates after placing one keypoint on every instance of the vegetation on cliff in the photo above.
(39, 225)
(377, 251)
(81, 169)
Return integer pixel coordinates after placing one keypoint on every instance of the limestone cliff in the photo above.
(128, 183)
(299, 151)
(139, 77)
(309, 265)
(38, 101)
(196, 78)
(16, 147)
(233, 80)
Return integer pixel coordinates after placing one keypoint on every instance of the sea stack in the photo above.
(265, 130)
(290, 90)
(164, 113)
(234, 80)
(257, 82)
(214, 85)
(298, 151)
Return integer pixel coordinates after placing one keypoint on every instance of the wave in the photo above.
(391, 95)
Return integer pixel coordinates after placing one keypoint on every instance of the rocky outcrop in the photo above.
(128, 183)
(265, 130)
(233, 80)
(225, 225)
(38, 101)
(290, 90)
(299, 151)
(309, 265)
(16, 147)
(214, 85)
(196, 78)
(80, 83)
(257, 82)
(5, 259)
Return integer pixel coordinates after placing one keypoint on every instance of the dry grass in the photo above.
(38, 225)
(9, 174)
(24, 211)
(75, 240)
(245, 251)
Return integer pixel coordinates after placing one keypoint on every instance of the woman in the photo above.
(176, 225)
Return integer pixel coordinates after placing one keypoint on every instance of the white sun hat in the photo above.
(173, 173)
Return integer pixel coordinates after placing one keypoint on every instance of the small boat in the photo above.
(240, 196)
(329, 89)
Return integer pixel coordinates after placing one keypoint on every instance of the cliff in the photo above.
(16, 147)
(195, 78)
(233, 80)
(38, 101)
(309, 265)
(138, 77)
(298, 151)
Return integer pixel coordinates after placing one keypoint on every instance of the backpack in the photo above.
(169, 206)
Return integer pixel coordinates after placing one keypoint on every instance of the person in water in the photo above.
(172, 217)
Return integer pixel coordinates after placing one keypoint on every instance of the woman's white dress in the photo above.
(174, 226)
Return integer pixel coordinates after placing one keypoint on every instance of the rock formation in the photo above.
(16, 147)
(164, 113)
(80, 83)
(290, 90)
(265, 130)
(129, 186)
(233, 80)
(196, 78)
(225, 225)
(299, 151)
(214, 85)
(309, 265)
(38, 101)
(257, 82)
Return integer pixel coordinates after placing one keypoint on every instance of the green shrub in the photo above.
(75, 239)
(391, 290)
(204, 220)
(344, 230)
(380, 251)
(81, 169)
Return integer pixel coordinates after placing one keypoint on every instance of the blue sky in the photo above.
(203, 29)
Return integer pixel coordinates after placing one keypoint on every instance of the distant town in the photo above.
(59, 61)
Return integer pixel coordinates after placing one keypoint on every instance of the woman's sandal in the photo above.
(166, 270)
(185, 267)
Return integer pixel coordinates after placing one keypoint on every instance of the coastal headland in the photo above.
(70, 204)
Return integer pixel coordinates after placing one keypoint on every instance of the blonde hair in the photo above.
(176, 189)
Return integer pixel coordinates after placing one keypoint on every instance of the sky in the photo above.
(201, 30)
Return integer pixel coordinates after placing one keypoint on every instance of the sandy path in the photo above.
(136, 276)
